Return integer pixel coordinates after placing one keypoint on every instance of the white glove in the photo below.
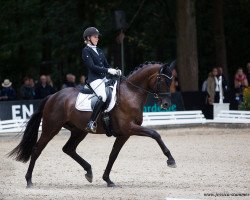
(118, 72)
(112, 71)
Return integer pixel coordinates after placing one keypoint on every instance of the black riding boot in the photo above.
(91, 126)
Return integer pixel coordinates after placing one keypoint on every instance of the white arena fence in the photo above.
(233, 116)
(157, 118)
(14, 125)
(175, 117)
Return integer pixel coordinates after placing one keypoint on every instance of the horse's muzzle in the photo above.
(165, 102)
(165, 105)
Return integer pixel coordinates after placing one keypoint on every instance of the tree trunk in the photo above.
(187, 60)
(219, 37)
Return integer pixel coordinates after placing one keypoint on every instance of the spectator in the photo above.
(174, 87)
(204, 86)
(32, 83)
(50, 82)
(42, 89)
(73, 79)
(248, 72)
(224, 80)
(7, 93)
(240, 82)
(213, 88)
(82, 83)
(70, 81)
(26, 91)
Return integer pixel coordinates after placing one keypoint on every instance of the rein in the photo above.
(140, 88)
(155, 94)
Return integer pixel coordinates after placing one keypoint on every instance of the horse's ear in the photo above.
(172, 65)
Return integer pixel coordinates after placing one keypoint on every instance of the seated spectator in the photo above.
(240, 82)
(42, 89)
(70, 81)
(26, 91)
(7, 93)
(50, 82)
(174, 87)
(32, 83)
(82, 82)
(248, 72)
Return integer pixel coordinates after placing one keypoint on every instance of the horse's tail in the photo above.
(23, 151)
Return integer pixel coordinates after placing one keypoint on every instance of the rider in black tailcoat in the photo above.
(98, 67)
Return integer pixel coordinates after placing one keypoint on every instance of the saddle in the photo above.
(87, 98)
(109, 86)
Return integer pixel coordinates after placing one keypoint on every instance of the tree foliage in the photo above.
(46, 36)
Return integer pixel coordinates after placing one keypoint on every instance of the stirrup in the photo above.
(91, 127)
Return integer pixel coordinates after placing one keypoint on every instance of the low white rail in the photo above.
(12, 125)
(157, 118)
(16, 125)
(176, 117)
(233, 116)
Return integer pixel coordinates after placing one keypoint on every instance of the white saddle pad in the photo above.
(83, 101)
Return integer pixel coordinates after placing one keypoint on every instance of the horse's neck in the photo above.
(141, 77)
(133, 89)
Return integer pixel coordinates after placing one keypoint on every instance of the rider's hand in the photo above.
(112, 71)
(118, 72)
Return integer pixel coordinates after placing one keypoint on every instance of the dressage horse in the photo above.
(58, 110)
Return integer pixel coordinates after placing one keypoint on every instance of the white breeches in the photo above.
(99, 87)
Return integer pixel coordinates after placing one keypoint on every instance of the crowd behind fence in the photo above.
(39, 89)
(31, 89)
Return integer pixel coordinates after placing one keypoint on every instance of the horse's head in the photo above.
(162, 84)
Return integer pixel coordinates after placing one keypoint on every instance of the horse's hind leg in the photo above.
(70, 149)
(46, 136)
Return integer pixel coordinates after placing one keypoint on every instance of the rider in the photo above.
(98, 67)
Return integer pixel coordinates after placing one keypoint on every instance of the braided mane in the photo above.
(142, 65)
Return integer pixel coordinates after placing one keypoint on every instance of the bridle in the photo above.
(157, 94)
(158, 78)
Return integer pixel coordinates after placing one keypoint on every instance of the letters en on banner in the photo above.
(25, 108)
(17, 109)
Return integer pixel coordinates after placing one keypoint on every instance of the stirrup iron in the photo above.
(91, 127)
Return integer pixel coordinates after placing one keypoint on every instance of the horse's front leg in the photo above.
(142, 131)
(119, 142)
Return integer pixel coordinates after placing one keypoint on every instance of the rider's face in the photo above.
(94, 39)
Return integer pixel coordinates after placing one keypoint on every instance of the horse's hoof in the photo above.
(29, 184)
(89, 177)
(111, 185)
(171, 163)
(173, 166)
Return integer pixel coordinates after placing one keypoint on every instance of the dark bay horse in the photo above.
(58, 110)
